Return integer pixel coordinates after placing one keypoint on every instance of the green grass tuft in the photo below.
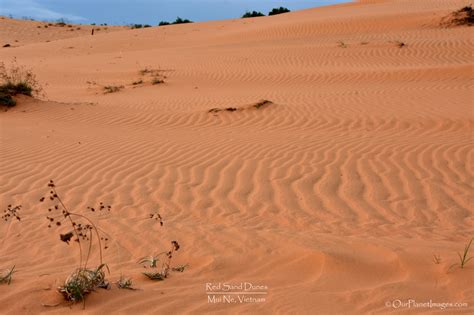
(250, 14)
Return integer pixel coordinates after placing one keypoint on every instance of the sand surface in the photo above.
(335, 195)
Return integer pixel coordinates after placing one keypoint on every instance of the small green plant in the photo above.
(250, 14)
(82, 282)
(152, 262)
(125, 283)
(81, 230)
(112, 88)
(279, 10)
(6, 275)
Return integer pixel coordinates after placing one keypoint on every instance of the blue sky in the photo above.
(144, 11)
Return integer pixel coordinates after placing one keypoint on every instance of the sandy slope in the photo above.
(335, 196)
(23, 32)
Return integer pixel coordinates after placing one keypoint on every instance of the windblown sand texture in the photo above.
(336, 195)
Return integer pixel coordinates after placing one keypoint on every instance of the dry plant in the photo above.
(166, 256)
(84, 232)
(156, 74)
(342, 44)
(152, 261)
(137, 82)
(9, 214)
(464, 257)
(125, 283)
(400, 44)
(112, 88)
(461, 17)
(157, 80)
(6, 275)
(14, 80)
(436, 259)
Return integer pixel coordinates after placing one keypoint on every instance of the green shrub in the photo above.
(16, 80)
(464, 16)
(12, 89)
(279, 10)
(249, 14)
(177, 21)
(6, 100)
(181, 21)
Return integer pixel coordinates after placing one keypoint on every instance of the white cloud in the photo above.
(32, 9)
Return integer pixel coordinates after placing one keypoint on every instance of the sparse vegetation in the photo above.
(134, 26)
(152, 262)
(436, 259)
(7, 100)
(138, 82)
(82, 282)
(157, 80)
(463, 258)
(342, 44)
(60, 23)
(125, 283)
(177, 21)
(250, 14)
(147, 71)
(9, 214)
(463, 16)
(180, 268)
(258, 105)
(81, 230)
(16, 80)
(262, 103)
(112, 88)
(279, 10)
(400, 44)
(7, 275)
(181, 21)
(157, 77)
